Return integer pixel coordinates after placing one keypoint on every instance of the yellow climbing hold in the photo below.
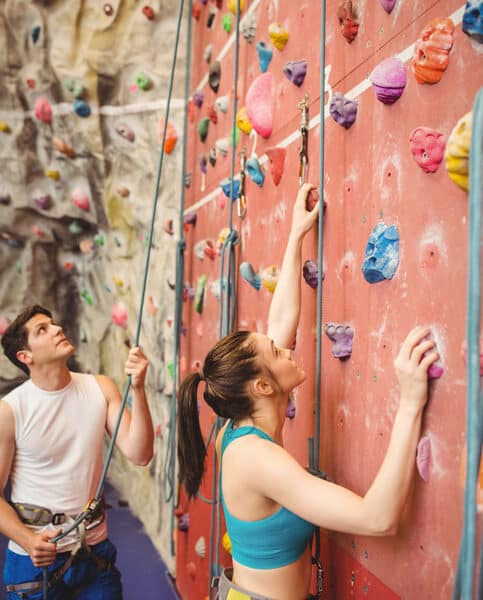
(242, 120)
(53, 174)
(4, 128)
(118, 281)
(231, 5)
(278, 35)
(457, 151)
(270, 278)
(226, 542)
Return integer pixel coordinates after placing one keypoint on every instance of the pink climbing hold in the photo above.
(4, 323)
(423, 458)
(389, 80)
(259, 104)
(436, 370)
(43, 110)
(427, 147)
(276, 156)
(119, 314)
(81, 200)
(388, 5)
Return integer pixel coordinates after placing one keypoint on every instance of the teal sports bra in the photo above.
(269, 543)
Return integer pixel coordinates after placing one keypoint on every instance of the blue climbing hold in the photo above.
(264, 56)
(382, 253)
(249, 275)
(36, 33)
(473, 20)
(81, 108)
(255, 171)
(226, 187)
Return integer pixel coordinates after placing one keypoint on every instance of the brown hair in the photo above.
(228, 368)
(15, 337)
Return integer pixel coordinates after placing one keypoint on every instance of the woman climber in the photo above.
(271, 503)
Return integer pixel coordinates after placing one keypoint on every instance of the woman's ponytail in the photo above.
(191, 446)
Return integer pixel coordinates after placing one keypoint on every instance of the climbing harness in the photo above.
(465, 576)
(303, 106)
(88, 511)
(242, 200)
(170, 460)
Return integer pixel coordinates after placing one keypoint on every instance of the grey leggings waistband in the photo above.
(225, 586)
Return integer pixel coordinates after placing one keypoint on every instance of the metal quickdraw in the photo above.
(303, 106)
(242, 200)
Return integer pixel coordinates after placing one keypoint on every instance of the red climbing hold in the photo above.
(276, 156)
(148, 12)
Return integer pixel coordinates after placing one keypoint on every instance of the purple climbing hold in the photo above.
(423, 457)
(343, 110)
(342, 336)
(42, 201)
(388, 5)
(389, 80)
(203, 163)
(189, 218)
(295, 71)
(382, 253)
(248, 273)
(198, 98)
(311, 273)
(291, 409)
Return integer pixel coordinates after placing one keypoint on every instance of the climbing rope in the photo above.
(227, 305)
(465, 576)
(97, 498)
(314, 443)
(170, 459)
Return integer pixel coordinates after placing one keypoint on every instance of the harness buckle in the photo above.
(58, 519)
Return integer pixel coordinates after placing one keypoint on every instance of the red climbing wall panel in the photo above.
(370, 177)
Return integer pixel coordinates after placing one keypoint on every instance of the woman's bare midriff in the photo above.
(291, 582)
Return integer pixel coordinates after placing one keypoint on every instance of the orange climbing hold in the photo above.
(63, 147)
(431, 51)
(276, 156)
(171, 136)
(348, 22)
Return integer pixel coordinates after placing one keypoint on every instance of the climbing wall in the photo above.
(400, 80)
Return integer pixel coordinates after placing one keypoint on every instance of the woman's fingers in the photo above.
(420, 349)
(413, 338)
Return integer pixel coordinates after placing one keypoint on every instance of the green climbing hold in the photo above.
(99, 239)
(200, 293)
(75, 228)
(227, 23)
(142, 81)
(87, 297)
(170, 367)
(203, 128)
(76, 88)
(234, 137)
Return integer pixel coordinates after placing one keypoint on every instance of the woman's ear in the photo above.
(262, 386)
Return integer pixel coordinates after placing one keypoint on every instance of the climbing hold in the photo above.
(168, 226)
(427, 147)
(226, 186)
(126, 132)
(249, 27)
(212, 156)
(291, 409)
(343, 110)
(151, 306)
(311, 273)
(68, 265)
(212, 114)
(388, 5)
(43, 110)
(214, 76)
(43, 201)
(187, 179)
(81, 108)
(203, 164)
(226, 542)
(4, 323)
(171, 136)
(189, 218)
(295, 71)
(108, 10)
(209, 250)
(382, 253)
(63, 147)
(198, 249)
(222, 145)
(431, 51)
(202, 128)
(259, 104)
(31, 83)
(222, 103)
(436, 369)
(184, 519)
(81, 199)
(4, 128)
(211, 17)
(76, 88)
(278, 35)
(348, 22)
(200, 293)
(242, 121)
(53, 174)
(276, 156)
(389, 80)
(248, 273)
(198, 98)
(5, 199)
(87, 297)
(143, 81)
(207, 53)
(119, 314)
(423, 457)
(200, 547)
(458, 150)
(231, 5)
(75, 228)
(270, 277)
(227, 23)
(38, 231)
(224, 233)
(473, 20)
(35, 33)
(264, 56)
(86, 246)
(148, 12)
(123, 191)
(341, 336)
(191, 569)
(196, 10)
(99, 240)
(255, 171)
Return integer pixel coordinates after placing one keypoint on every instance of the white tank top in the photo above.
(58, 457)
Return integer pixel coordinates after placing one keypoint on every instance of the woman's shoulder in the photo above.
(219, 439)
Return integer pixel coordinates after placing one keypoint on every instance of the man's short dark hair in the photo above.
(15, 337)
